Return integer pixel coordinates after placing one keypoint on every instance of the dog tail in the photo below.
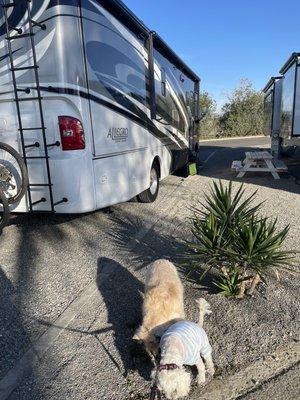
(204, 309)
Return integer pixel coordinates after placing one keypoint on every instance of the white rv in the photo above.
(100, 108)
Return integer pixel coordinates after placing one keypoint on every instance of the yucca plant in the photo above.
(228, 283)
(227, 208)
(213, 224)
(256, 246)
(210, 239)
(231, 237)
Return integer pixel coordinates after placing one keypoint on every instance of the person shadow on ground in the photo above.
(121, 292)
(14, 341)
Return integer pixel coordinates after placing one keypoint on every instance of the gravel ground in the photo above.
(45, 265)
(287, 383)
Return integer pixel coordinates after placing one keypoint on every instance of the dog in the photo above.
(162, 306)
(184, 343)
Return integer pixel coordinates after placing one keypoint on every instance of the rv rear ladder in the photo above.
(38, 98)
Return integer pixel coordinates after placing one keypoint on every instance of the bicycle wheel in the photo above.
(13, 174)
(4, 211)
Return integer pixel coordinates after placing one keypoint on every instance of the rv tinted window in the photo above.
(175, 117)
(172, 108)
(287, 103)
(297, 106)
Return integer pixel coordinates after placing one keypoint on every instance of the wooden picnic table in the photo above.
(258, 161)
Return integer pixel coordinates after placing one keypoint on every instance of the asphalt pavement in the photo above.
(217, 156)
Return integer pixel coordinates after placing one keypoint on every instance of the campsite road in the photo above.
(217, 155)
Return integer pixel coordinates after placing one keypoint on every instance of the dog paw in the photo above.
(209, 377)
(211, 372)
(201, 382)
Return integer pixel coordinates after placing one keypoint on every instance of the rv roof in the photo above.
(117, 6)
(270, 83)
(289, 63)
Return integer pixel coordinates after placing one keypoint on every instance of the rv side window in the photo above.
(163, 82)
(287, 102)
(175, 117)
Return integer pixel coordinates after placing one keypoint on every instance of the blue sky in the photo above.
(226, 40)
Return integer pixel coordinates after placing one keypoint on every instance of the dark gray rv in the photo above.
(99, 106)
(290, 104)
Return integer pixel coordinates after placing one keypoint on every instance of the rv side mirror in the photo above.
(203, 112)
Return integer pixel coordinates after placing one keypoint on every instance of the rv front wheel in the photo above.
(150, 195)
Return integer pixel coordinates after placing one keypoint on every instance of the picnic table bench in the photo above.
(259, 161)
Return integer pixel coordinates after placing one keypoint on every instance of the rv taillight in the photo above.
(71, 133)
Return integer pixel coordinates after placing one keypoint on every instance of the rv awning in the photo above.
(271, 82)
(289, 63)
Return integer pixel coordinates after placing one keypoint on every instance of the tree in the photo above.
(208, 110)
(242, 115)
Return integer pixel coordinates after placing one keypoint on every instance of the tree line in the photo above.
(241, 115)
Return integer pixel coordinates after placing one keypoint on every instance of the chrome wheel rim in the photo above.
(153, 181)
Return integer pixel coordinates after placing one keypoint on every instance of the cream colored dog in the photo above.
(184, 343)
(163, 303)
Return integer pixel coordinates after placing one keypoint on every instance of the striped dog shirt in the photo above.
(193, 338)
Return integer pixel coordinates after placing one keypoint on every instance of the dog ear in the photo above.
(141, 334)
(142, 294)
(136, 337)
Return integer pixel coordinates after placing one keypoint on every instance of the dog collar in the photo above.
(167, 367)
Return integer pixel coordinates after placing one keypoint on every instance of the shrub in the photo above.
(231, 237)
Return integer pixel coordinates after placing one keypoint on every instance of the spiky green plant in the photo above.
(229, 283)
(256, 245)
(228, 208)
(229, 235)
(214, 222)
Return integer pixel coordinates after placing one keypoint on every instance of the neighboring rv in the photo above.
(98, 105)
(290, 104)
(286, 87)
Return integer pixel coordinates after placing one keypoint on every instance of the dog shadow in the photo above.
(121, 292)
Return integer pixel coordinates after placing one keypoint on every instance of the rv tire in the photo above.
(4, 211)
(150, 195)
(288, 151)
